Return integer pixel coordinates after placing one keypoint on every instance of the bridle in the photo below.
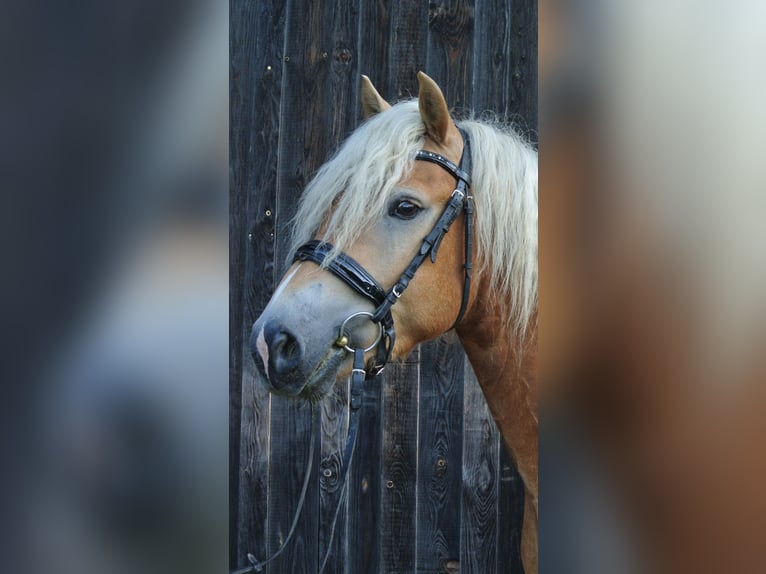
(360, 280)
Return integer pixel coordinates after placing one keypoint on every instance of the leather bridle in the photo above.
(360, 280)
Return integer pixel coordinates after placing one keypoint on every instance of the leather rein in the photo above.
(360, 280)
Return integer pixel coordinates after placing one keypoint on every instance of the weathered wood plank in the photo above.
(408, 47)
(255, 93)
(291, 427)
(341, 120)
(344, 71)
(510, 513)
(374, 44)
(335, 421)
(450, 50)
(302, 149)
(480, 462)
(400, 452)
(237, 224)
(492, 62)
(364, 518)
(440, 453)
(523, 59)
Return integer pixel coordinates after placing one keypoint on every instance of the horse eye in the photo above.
(405, 210)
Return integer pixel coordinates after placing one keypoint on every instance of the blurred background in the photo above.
(652, 276)
(114, 183)
(114, 187)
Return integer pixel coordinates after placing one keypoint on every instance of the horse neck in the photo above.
(507, 374)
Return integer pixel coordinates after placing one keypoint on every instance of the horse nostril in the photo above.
(285, 351)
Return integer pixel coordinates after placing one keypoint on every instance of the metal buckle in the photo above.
(396, 293)
(457, 192)
(343, 335)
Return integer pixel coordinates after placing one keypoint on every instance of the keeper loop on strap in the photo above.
(358, 375)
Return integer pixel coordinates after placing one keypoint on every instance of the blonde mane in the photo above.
(356, 184)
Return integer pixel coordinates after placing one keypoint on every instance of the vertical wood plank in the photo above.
(510, 513)
(364, 517)
(341, 120)
(291, 431)
(302, 149)
(374, 44)
(440, 453)
(492, 59)
(334, 431)
(523, 58)
(400, 452)
(255, 93)
(450, 50)
(480, 461)
(344, 71)
(237, 225)
(408, 47)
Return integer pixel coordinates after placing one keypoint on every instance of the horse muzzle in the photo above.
(279, 353)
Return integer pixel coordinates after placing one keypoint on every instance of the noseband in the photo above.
(360, 280)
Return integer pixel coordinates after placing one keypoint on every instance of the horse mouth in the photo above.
(320, 382)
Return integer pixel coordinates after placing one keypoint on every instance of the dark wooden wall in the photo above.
(431, 484)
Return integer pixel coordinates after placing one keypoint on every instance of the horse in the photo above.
(365, 287)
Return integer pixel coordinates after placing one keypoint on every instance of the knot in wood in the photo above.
(451, 20)
(343, 55)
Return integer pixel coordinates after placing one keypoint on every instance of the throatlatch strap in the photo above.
(465, 163)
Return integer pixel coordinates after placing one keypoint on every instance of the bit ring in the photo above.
(342, 338)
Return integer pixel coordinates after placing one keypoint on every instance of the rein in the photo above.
(360, 280)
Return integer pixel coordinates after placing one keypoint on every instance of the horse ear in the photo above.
(433, 108)
(372, 102)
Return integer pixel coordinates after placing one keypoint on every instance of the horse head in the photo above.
(368, 211)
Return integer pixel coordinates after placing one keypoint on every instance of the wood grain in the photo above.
(480, 462)
(440, 452)
(399, 471)
(492, 58)
(255, 97)
(364, 518)
(294, 83)
(408, 47)
(374, 45)
(450, 50)
(340, 53)
(522, 107)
